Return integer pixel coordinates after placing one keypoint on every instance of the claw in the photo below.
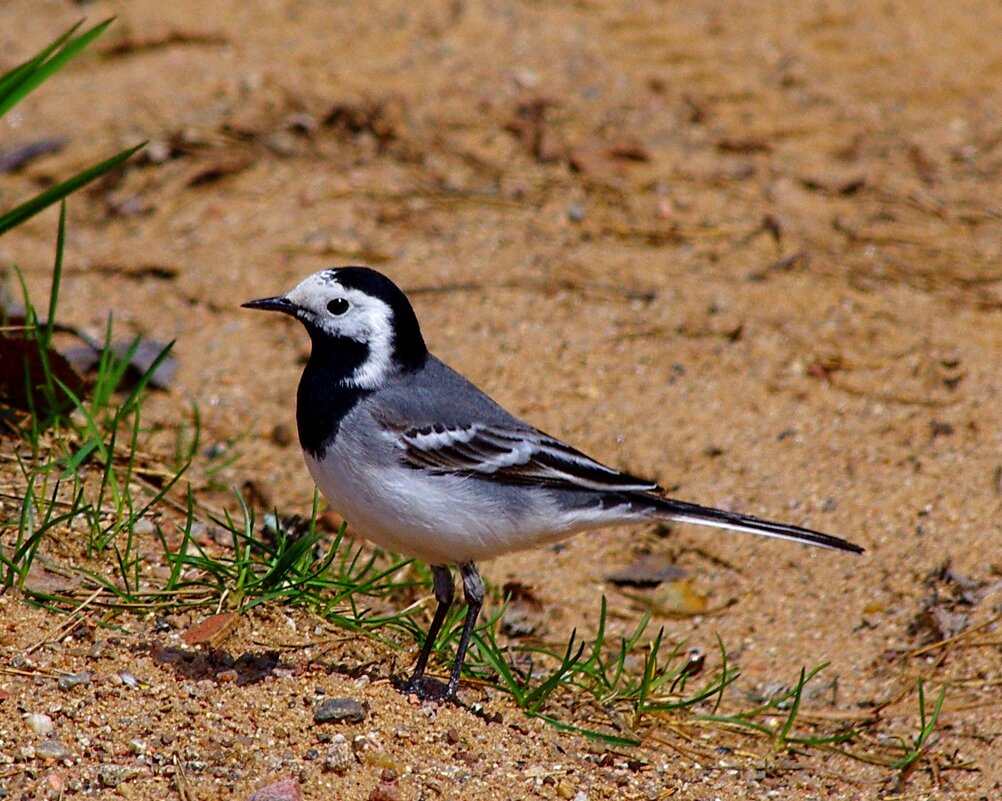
(428, 689)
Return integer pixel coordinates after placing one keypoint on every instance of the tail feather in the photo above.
(682, 512)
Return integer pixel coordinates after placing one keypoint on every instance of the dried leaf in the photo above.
(678, 599)
(212, 631)
(21, 362)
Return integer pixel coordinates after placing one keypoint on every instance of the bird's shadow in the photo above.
(218, 665)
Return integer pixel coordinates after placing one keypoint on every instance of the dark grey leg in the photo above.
(473, 589)
(444, 593)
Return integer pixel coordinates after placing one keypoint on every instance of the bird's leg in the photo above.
(443, 594)
(473, 589)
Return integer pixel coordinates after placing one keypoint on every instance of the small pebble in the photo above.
(130, 206)
(39, 723)
(284, 790)
(21, 662)
(52, 748)
(340, 710)
(221, 536)
(143, 526)
(385, 792)
(114, 775)
(371, 752)
(339, 757)
(281, 143)
(202, 533)
(158, 151)
(302, 123)
(74, 680)
(128, 679)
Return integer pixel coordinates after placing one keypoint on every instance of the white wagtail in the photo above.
(423, 463)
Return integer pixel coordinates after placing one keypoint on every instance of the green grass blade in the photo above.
(13, 77)
(591, 734)
(53, 59)
(42, 201)
(492, 655)
(927, 724)
(57, 276)
(798, 693)
(737, 720)
(537, 697)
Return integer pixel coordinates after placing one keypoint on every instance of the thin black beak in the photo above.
(279, 304)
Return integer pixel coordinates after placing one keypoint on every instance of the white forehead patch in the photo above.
(368, 320)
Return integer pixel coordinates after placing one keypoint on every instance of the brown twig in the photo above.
(951, 640)
(67, 624)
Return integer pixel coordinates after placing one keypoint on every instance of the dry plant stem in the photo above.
(71, 621)
(951, 641)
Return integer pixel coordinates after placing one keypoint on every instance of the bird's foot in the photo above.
(428, 689)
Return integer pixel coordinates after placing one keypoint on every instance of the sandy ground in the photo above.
(753, 250)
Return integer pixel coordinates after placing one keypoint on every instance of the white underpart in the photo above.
(442, 519)
(367, 320)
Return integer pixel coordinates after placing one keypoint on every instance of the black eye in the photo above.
(338, 306)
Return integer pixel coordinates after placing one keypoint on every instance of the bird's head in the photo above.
(358, 316)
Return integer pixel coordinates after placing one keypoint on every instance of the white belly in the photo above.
(437, 519)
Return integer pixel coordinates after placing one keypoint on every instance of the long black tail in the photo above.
(682, 512)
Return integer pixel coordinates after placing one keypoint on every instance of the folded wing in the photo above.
(515, 455)
(511, 455)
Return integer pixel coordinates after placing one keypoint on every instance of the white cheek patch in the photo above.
(372, 320)
(368, 320)
(373, 373)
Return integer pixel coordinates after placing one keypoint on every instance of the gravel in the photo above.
(340, 710)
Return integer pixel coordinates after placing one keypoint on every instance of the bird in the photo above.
(423, 463)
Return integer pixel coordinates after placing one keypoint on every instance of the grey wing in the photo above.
(511, 455)
(444, 424)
